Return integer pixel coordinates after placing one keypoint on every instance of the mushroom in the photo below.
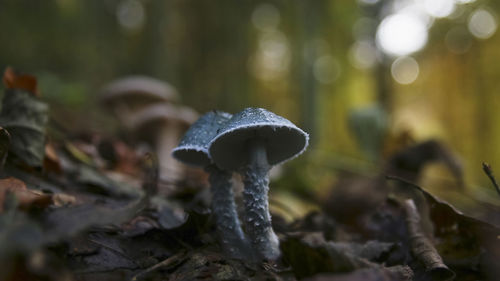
(251, 142)
(130, 94)
(146, 105)
(193, 150)
(162, 125)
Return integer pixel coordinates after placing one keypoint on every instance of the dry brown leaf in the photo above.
(27, 198)
(51, 161)
(13, 80)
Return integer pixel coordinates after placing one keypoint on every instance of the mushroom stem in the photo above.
(166, 140)
(258, 218)
(231, 235)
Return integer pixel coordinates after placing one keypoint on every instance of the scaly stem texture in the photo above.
(231, 235)
(257, 217)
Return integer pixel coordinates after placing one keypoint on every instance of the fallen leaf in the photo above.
(372, 250)
(169, 262)
(98, 183)
(13, 80)
(68, 221)
(77, 153)
(310, 255)
(465, 243)
(51, 162)
(26, 198)
(25, 117)
(108, 257)
(203, 265)
(18, 235)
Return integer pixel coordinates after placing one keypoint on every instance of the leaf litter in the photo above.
(76, 209)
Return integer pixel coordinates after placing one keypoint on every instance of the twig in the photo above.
(487, 170)
(159, 265)
(422, 248)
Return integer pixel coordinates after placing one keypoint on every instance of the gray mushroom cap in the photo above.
(193, 147)
(282, 138)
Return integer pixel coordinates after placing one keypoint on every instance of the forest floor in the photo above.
(87, 207)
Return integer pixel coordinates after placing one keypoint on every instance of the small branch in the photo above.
(422, 248)
(487, 170)
(163, 264)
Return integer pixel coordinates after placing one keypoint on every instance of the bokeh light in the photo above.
(482, 24)
(272, 58)
(363, 55)
(405, 70)
(130, 14)
(416, 9)
(401, 34)
(439, 8)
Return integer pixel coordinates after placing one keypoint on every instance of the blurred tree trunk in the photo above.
(382, 69)
(213, 52)
(154, 56)
(310, 16)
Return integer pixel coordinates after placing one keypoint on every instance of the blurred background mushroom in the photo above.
(149, 112)
(127, 95)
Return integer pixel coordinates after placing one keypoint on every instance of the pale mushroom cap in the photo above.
(138, 87)
(282, 138)
(162, 113)
(193, 147)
